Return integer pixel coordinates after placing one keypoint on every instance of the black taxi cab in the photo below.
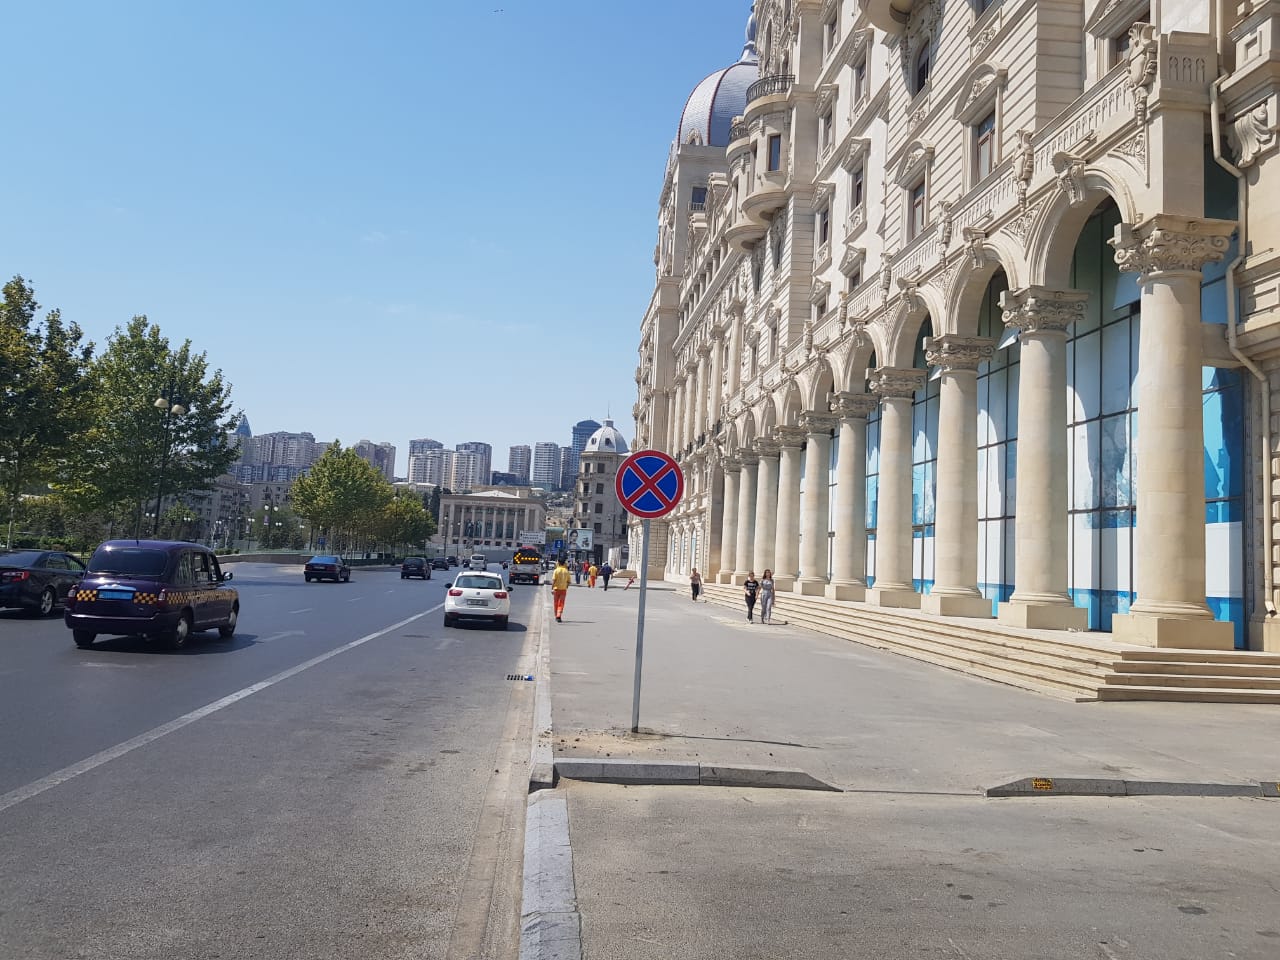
(158, 589)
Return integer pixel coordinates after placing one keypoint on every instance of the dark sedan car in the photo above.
(37, 580)
(158, 589)
(439, 563)
(415, 567)
(327, 567)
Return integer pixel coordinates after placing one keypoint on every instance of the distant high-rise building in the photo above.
(466, 471)
(568, 468)
(416, 471)
(520, 461)
(582, 431)
(381, 455)
(267, 455)
(484, 459)
(546, 465)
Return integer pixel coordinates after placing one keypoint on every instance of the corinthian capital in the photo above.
(816, 423)
(731, 465)
(766, 448)
(789, 436)
(1041, 310)
(953, 353)
(853, 406)
(895, 382)
(1171, 244)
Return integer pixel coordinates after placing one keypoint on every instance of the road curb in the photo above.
(1103, 787)
(550, 925)
(651, 773)
(542, 774)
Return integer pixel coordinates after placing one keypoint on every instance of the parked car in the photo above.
(161, 590)
(453, 561)
(415, 567)
(478, 562)
(37, 580)
(477, 596)
(327, 567)
(440, 563)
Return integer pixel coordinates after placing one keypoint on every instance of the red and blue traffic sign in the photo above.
(649, 484)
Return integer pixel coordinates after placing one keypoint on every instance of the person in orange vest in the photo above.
(560, 588)
(591, 575)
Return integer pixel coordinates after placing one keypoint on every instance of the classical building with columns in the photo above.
(495, 518)
(974, 308)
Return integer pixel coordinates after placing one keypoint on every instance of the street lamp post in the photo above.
(172, 407)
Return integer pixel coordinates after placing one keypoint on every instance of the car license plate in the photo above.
(115, 594)
(477, 603)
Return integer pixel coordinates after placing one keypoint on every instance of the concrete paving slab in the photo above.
(672, 873)
(629, 771)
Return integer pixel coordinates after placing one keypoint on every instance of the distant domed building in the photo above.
(595, 502)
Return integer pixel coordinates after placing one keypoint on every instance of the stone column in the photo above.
(1169, 542)
(766, 520)
(786, 552)
(729, 522)
(817, 501)
(691, 402)
(1040, 597)
(735, 351)
(700, 414)
(849, 563)
(745, 551)
(677, 417)
(896, 387)
(955, 583)
(717, 378)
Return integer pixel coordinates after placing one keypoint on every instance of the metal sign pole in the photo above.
(644, 582)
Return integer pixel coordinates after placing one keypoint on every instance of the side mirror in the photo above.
(227, 576)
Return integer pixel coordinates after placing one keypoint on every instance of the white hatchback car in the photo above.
(477, 596)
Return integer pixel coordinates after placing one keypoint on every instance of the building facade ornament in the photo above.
(854, 406)
(975, 245)
(944, 215)
(891, 383)
(1069, 169)
(1171, 244)
(817, 423)
(955, 353)
(1144, 48)
(1253, 133)
(1024, 166)
(766, 448)
(789, 436)
(1041, 310)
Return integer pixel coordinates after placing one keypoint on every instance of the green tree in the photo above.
(159, 423)
(404, 520)
(341, 496)
(42, 392)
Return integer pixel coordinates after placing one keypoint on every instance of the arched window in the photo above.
(923, 65)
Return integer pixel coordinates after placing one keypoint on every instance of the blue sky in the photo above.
(382, 220)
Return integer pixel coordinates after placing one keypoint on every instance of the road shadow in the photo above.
(202, 643)
(512, 627)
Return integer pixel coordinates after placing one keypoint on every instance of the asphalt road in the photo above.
(343, 779)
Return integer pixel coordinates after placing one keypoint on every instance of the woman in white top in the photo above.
(766, 596)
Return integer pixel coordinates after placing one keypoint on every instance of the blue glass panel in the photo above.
(1116, 470)
(1213, 302)
(1010, 477)
(1011, 402)
(984, 483)
(998, 381)
(1115, 367)
(1127, 290)
(873, 495)
(1085, 441)
(1085, 375)
(1232, 609)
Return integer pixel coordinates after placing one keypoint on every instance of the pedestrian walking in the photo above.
(560, 588)
(578, 570)
(605, 573)
(766, 597)
(749, 590)
(592, 571)
(695, 584)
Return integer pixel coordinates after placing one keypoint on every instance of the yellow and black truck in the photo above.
(526, 567)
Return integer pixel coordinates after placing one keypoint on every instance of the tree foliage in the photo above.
(43, 387)
(118, 458)
(405, 521)
(342, 495)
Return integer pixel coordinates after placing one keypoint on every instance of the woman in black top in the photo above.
(749, 590)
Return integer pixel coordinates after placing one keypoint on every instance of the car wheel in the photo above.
(177, 638)
(45, 606)
(228, 629)
(402, 576)
(308, 578)
(346, 578)
(502, 623)
(83, 638)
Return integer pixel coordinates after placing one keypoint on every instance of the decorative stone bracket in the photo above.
(1170, 244)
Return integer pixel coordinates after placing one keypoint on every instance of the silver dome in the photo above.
(606, 440)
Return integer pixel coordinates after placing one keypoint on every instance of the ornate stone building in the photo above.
(974, 307)
(595, 498)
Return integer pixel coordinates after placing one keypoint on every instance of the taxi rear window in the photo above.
(480, 583)
(130, 561)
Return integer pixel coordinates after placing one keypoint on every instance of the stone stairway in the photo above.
(1075, 666)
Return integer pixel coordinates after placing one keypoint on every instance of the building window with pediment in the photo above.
(984, 147)
(775, 151)
(857, 190)
(828, 126)
(917, 210)
(854, 280)
(982, 6)
(830, 34)
(860, 83)
(1122, 41)
(820, 308)
(824, 226)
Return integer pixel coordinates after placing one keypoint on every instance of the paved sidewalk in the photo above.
(717, 689)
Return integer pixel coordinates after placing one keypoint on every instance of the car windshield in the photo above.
(20, 558)
(323, 560)
(130, 561)
(480, 583)
(413, 561)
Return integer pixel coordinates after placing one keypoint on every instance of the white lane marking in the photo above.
(37, 787)
(390, 591)
(281, 636)
(114, 666)
(355, 599)
(294, 613)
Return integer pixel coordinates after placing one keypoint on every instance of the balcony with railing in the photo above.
(779, 84)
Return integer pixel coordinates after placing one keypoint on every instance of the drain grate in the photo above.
(519, 676)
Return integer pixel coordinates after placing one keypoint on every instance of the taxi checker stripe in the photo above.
(650, 485)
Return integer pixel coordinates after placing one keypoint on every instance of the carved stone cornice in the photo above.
(816, 423)
(855, 406)
(954, 353)
(1041, 310)
(1171, 244)
(895, 383)
(789, 436)
(731, 465)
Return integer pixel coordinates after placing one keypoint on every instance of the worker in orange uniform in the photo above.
(560, 587)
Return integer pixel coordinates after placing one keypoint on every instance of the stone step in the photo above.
(1201, 668)
(1189, 694)
(1235, 657)
(1204, 681)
